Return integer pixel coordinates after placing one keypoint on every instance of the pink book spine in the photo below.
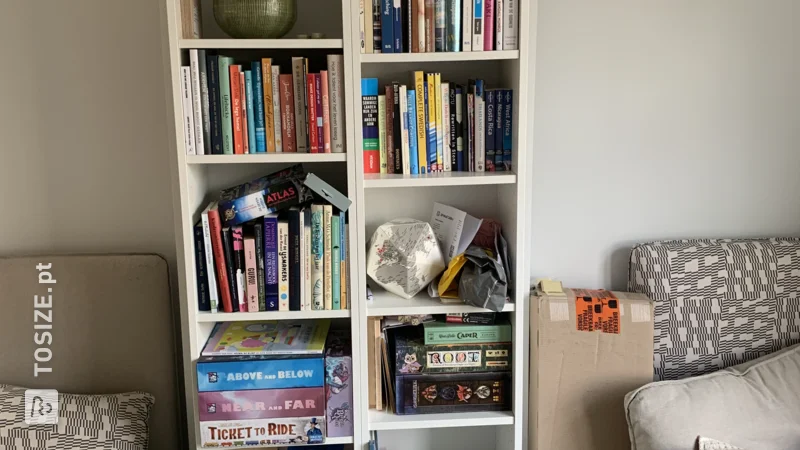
(261, 404)
(488, 23)
(326, 112)
(251, 274)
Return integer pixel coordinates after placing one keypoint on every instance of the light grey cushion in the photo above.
(755, 405)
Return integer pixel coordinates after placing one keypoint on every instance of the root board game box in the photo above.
(263, 432)
(412, 355)
(338, 384)
(236, 373)
(454, 392)
(261, 404)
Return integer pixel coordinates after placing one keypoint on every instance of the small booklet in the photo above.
(454, 229)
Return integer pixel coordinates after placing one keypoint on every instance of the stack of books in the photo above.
(264, 383)
(273, 245)
(419, 26)
(231, 108)
(436, 126)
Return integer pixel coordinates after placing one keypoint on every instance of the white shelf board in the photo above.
(377, 180)
(267, 158)
(265, 44)
(381, 58)
(385, 303)
(271, 315)
(381, 421)
(328, 441)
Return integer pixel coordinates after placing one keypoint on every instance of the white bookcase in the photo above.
(376, 199)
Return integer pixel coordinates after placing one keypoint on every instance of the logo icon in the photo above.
(41, 406)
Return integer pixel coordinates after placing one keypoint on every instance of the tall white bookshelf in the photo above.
(376, 199)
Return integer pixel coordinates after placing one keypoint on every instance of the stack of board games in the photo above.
(263, 383)
(442, 367)
(277, 243)
(338, 384)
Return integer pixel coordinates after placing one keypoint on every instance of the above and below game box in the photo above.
(236, 373)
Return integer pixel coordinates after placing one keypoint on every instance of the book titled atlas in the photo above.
(270, 337)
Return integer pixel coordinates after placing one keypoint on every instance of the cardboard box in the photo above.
(593, 348)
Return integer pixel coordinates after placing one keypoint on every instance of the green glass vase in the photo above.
(255, 19)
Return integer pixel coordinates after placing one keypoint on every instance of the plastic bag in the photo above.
(483, 280)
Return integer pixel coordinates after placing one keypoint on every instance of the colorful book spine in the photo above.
(327, 214)
(508, 114)
(452, 126)
(488, 25)
(304, 102)
(440, 26)
(251, 274)
(387, 26)
(188, 115)
(336, 260)
(510, 25)
(236, 109)
(312, 115)
(413, 154)
(480, 127)
(404, 147)
(268, 111)
(214, 112)
(369, 111)
(277, 121)
(343, 261)
(448, 333)
(215, 229)
(259, 129)
(460, 124)
(305, 255)
(201, 269)
(382, 132)
(197, 102)
(397, 130)
(389, 128)
(317, 257)
(326, 112)
(414, 24)
(336, 100)
(421, 125)
(318, 113)
(499, 116)
(419, 25)
(243, 106)
(258, 232)
(230, 264)
(430, 108)
(397, 25)
(498, 24)
(453, 25)
(288, 130)
(295, 300)
(271, 262)
(477, 25)
(204, 101)
(243, 373)
(466, 26)
(263, 432)
(491, 111)
(437, 102)
(239, 263)
(445, 100)
(213, 293)
(283, 266)
(251, 120)
(430, 26)
(261, 404)
(301, 127)
(225, 102)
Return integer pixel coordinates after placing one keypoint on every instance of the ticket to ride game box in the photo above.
(452, 392)
(261, 404)
(263, 432)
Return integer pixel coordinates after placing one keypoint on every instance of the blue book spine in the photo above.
(387, 26)
(413, 159)
(508, 113)
(336, 260)
(231, 373)
(258, 103)
(212, 68)
(397, 21)
(491, 111)
(251, 123)
(499, 115)
(431, 131)
(271, 261)
(203, 298)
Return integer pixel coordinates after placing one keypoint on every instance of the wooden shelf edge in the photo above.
(207, 317)
(267, 158)
(261, 44)
(374, 181)
(384, 421)
(381, 58)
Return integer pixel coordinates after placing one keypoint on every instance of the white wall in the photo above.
(658, 120)
(84, 163)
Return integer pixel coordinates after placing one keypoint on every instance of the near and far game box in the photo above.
(455, 392)
(261, 404)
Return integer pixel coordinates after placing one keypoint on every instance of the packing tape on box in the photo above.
(640, 313)
(559, 311)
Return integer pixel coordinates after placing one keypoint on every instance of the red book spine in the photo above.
(389, 125)
(313, 139)
(288, 131)
(318, 111)
(488, 25)
(243, 102)
(326, 113)
(215, 227)
(236, 110)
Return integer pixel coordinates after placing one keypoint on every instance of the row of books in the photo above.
(419, 26)
(274, 383)
(231, 108)
(436, 126)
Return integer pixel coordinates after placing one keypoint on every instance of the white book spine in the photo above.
(299, 79)
(477, 25)
(511, 25)
(197, 109)
(307, 261)
(213, 293)
(480, 135)
(205, 102)
(336, 101)
(317, 257)
(327, 213)
(283, 266)
(276, 109)
(404, 129)
(361, 25)
(446, 127)
(302, 262)
(466, 26)
(498, 25)
(420, 18)
(188, 115)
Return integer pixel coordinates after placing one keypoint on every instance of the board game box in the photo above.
(339, 384)
(261, 404)
(412, 355)
(456, 392)
(236, 373)
(268, 337)
(263, 432)
(454, 333)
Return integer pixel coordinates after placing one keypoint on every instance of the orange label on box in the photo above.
(596, 310)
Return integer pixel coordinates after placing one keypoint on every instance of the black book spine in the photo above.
(397, 132)
(258, 230)
(452, 128)
(214, 104)
(406, 7)
(294, 260)
(230, 263)
(203, 299)
(238, 254)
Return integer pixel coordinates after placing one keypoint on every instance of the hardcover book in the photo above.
(288, 130)
(261, 404)
(271, 261)
(327, 215)
(269, 104)
(413, 153)
(389, 94)
(306, 257)
(230, 264)
(263, 432)
(449, 333)
(317, 258)
(236, 109)
(277, 121)
(445, 106)
(422, 123)
(201, 270)
(339, 385)
(213, 292)
(269, 337)
(336, 101)
(214, 112)
(239, 263)
(188, 115)
(259, 112)
(299, 79)
(250, 107)
(243, 105)
(412, 355)
(197, 102)
(258, 232)
(251, 276)
(225, 103)
(430, 112)
(488, 25)
(284, 277)
(453, 25)
(220, 260)
(313, 136)
(335, 263)
(440, 26)
(318, 113)
(326, 111)
(457, 392)
(369, 111)
(295, 300)
(397, 130)
(404, 148)
(382, 132)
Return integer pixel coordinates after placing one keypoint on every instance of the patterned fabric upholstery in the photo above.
(718, 302)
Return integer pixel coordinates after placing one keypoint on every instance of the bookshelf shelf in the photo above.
(267, 158)
(260, 44)
(438, 179)
(381, 58)
(385, 421)
(271, 315)
(387, 304)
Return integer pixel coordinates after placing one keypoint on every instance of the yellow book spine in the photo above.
(422, 140)
(437, 85)
(269, 117)
(431, 114)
